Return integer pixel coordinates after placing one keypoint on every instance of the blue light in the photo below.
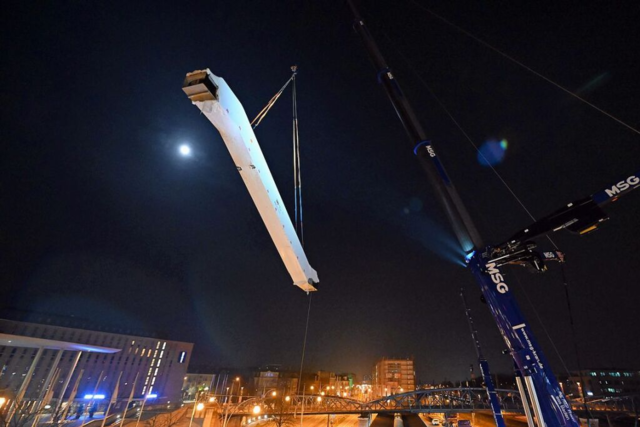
(94, 396)
(183, 355)
(152, 396)
(469, 255)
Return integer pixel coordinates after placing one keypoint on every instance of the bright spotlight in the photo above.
(185, 150)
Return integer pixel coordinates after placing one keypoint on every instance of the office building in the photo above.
(157, 366)
(393, 376)
(598, 383)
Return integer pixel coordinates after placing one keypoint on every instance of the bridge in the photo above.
(442, 400)
(435, 401)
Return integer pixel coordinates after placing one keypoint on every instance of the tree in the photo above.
(280, 414)
(22, 416)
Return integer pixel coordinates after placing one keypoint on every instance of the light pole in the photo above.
(197, 406)
(238, 382)
(144, 400)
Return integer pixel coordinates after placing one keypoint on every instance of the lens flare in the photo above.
(492, 152)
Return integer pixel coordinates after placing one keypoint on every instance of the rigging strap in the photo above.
(263, 113)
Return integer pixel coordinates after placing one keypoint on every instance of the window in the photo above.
(183, 356)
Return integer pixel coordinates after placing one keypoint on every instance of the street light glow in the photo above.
(256, 409)
(273, 393)
(200, 406)
(185, 150)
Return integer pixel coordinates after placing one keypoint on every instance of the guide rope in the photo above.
(531, 70)
(297, 195)
(297, 176)
(304, 343)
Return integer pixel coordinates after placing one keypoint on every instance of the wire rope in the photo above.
(526, 210)
(304, 343)
(468, 138)
(519, 63)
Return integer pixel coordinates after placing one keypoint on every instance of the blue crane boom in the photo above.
(549, 403)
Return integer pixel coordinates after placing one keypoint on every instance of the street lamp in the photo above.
(256, 410)
(197, 406)
(274, 393)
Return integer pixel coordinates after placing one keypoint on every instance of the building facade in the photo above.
(274, 377)
(196, 382)
(393, 376)
(602, 383)
(156, 366)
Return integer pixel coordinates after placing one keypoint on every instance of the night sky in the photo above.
(101, 218)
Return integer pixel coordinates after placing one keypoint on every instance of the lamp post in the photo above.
(197, 406)
(144, 400)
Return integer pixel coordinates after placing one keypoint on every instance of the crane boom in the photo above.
(217, 102)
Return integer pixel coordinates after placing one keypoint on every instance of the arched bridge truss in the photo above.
(420, 401)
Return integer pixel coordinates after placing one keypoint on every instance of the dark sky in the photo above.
(101, 219)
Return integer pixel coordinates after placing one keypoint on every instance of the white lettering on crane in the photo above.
(497, 278)
(623, 185)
